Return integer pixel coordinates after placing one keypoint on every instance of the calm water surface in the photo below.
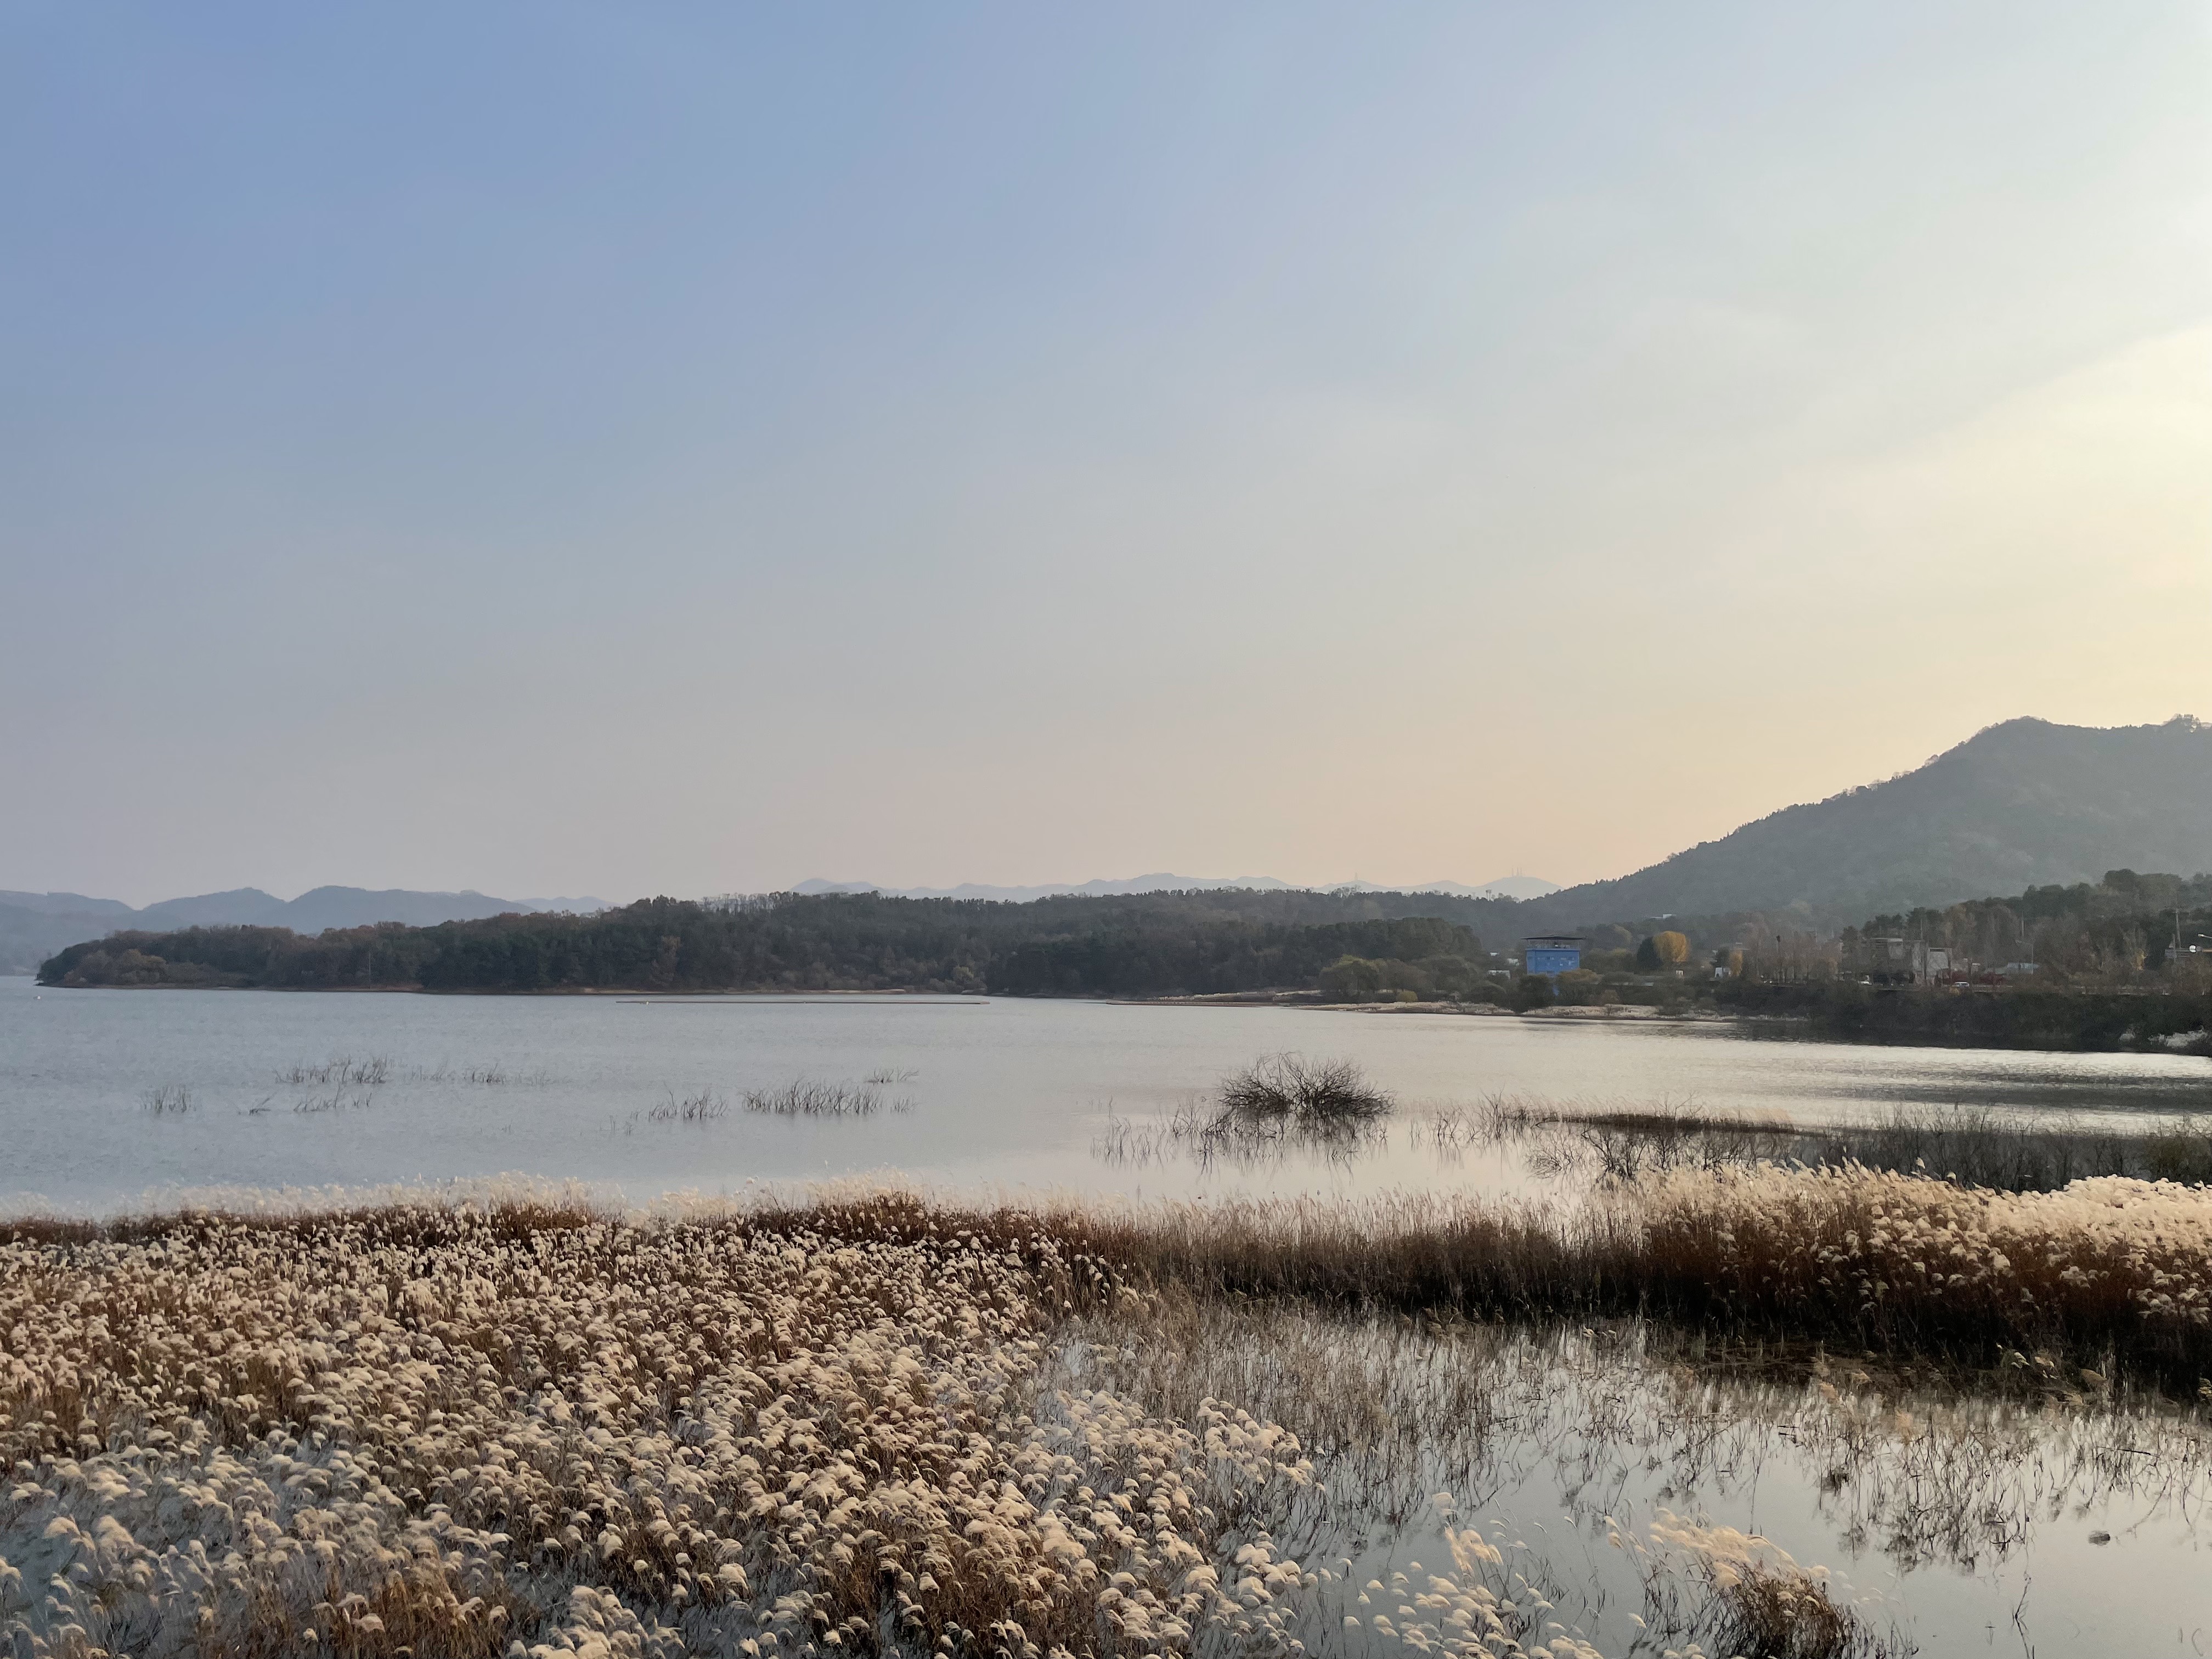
(1019, 1095)
(1003, 1094)
(2044, 1529)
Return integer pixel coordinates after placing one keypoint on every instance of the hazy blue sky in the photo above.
(559, 447)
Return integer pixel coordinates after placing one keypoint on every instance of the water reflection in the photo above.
(1211, 1139)
(1534, 1140)
(1941, 1505)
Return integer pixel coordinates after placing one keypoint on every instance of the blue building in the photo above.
(1551, 954)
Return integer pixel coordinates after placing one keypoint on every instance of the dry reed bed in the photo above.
(2108, 1271)
(539, 1431)
(835, 1428)
(466, 1433)
(451, 1432)
(1975, 1145)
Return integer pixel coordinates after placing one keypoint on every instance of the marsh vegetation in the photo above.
(704, 1107)
(1279, 1102)
(1164, 1429)
(807, 1097)
(374, 1071)
(167, 1100)
(450, 1431)
(368, 1073)
(1974, 1146)
(340, 1098)
(345, 1082)
(1307, 1094)
(1535, 1144)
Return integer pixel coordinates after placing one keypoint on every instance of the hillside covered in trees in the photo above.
(2124, 924)
(2021, 805)
(34, 925)
(1139, 945)
(2127, 958)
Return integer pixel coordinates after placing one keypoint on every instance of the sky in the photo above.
(557, 449)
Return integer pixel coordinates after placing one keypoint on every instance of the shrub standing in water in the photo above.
(1316, 1093)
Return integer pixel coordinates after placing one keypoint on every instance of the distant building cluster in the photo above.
(1899, 961)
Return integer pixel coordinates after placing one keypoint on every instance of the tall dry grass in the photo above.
(1975, 1145)
(843, 1427)
(2108, 1271)
(448, 1432)
(833, 1429)
(1758, 1600)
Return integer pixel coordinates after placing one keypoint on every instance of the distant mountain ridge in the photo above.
(2027, 803)
(1505, 887)
(2022, 804)
(34, 925)
(1514, 887)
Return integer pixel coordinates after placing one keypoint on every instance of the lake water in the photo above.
(1948, 1525)
(1021, 1096)
(1000, 1094)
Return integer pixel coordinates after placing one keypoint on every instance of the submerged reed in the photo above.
(805, 1097)
(705, 1107)
(1280, 1104)
(370, 1071)
(338, 1099)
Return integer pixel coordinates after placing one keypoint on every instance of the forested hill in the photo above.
(1139, 945)
(2022, 804)
(2025, 805)
(34, 925)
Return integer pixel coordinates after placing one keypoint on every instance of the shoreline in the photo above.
(1777, 1025)
(1613, 1012)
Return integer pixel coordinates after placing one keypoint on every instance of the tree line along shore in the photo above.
(2097, 965)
